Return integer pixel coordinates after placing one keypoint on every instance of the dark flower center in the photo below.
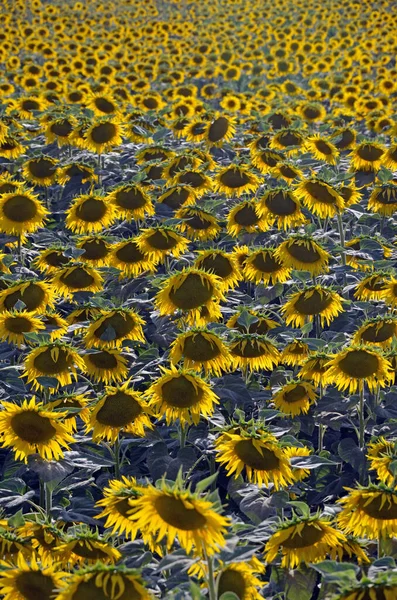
(270, 159)
(265, 262)
(194, 291)
(289, 139)
(191, 178)
(198, 348)
(387, 195)
(129, 253)
(231, 580)
(179, 392)
(103, 133)
(91, 210)
(218, 129)
(218, 264)
(32, 296)
(104, 105)
(77, 279)
(130, 198)
(62, 129)
(31, 427)
(118, 410)
(88, 590)
(347, 138)
(42, 168)
(56, 259)
(234, 178)
(162, 240)
(95, 249)
(34, 585)
(249, 349)
(375, 509)
(323, 147)
(18, 324)
(359, 364)
(103, 360)
(295, 395)
(90, 551)
(312, 302)
(319, 192)
(250, 456)
(308, 536)
(280, 203)
(374, 333)
(45, 361)
(177, 197)
(198, 222)
(246, 215)
(311, 113)
(19, 209)
(302, 253)
(30, 105)
(122, 323)
(174, 513)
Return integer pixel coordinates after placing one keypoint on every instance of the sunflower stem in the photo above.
(341, 238)
(321, 431)
(19, 245)
(182, 435)
(48, 500)
(379, 546)
(211, 576)
(361, 418)
(116, 452)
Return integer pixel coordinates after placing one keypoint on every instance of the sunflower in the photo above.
(51, 259)
(303, 253)
(158, 242)
(11, 147)
(294, 398)
(383, 199)
(130, 201)
(380, 331)
(315, 367)
(373, 287)
(190, 291)
(265, 159)
(128, 258)
(381, 588)
(15, 323)
(369, 511)
(106, 366)
(350, 194)
(287, 171)
(260, 323)
(381, 454)
(201, 349)
(41, 170)
(344, 138)
(240, 579)
(77, 278)
(104, 581)
(367, 156)
(177, 196)
(112, 327)
(76, 171)
(181, 394)
(103, 135)
(322, 149)
(55, 360)
(33, 429)
(236, 179)
(74, 405)
(288, 139)
(304, 305)
(196, 179)
(116, 508)
(85, 312)
(306, 539)
(389, 159)
(256, 451)
(253, 352)
(90, 213)
(312, 112)
(21, 212)
(295, 354)
(299, 473)
(261, 266)
(12, 544)
(171, 513)
(320, 197)
(30, 580)
(221, 264)
(356, 365)
(221, 129)
(102, 104)
(197, 224)
(245, 216)
(86, 547)
(281, 207)
(36, 295)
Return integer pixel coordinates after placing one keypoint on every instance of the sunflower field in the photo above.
(198, 300)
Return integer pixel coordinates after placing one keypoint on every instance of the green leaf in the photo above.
(338, 573)
(302, 507)
(229, 596)
(16, 520)
(311, 462)
(206, 483)
(195, 591)
(307, 328)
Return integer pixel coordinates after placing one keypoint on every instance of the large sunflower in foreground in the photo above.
(90, 213)
(21, 212)
(255, 451)
(307, 540)
(112, 327)
(201, 349)
(119, 409)
(189, 291)
(320, 197)
(369, 511)
(181, 394)
(103, 582)
(29, 580)
(35, 294)
(116, 508)
(304, 254)
(172, 513)
(252, 352)
(380, 331)
(383, 199)
(33, 429)
(294, 398)
(41, 170)
(55, 360)
(356, 365)
(315, 300)
(366, 156)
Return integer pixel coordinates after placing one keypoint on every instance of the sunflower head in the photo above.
(252, 351)
(314, 300)
(201, 349)
(294, 398)
(21, 212)
(303, 253)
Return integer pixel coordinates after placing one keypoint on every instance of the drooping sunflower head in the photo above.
(369, 511)
(255, 451)
(220, 129)
(315, 367)
(96, 249)
(108, 366)
(303, 253)
(383, 199)
(221, 264)
(34, 429)
(380, 331)
(190, 291)
(252, 352)
(21, 212)
(288, 139)
(257, 322)
(236, 179)
(181, 394)
(306, 539)
(77, 277)
(35, 294)
(320, 197)
(201, 349)
(131, 201)
(240, 579)
(76, 171)
(294, 398)
(265, 160)
(197, 223)
(262, 266)
(322, 149)
(119, 409)
(158, 242)
(194, 178)
(51, 259)
(373, 287)
(73, 405)
(381, 454)
(382, 586)
(304, 305)
(129, 259)
(356, 365)
(295, 353)
(112, 327)
(90, 213)
(281, 208)
(85, 547)
(15, 323)
(58, 361)
(103, 135)
(366, 156)
(116, 507)
(245, 216)
(41, 170)
(30, 578)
